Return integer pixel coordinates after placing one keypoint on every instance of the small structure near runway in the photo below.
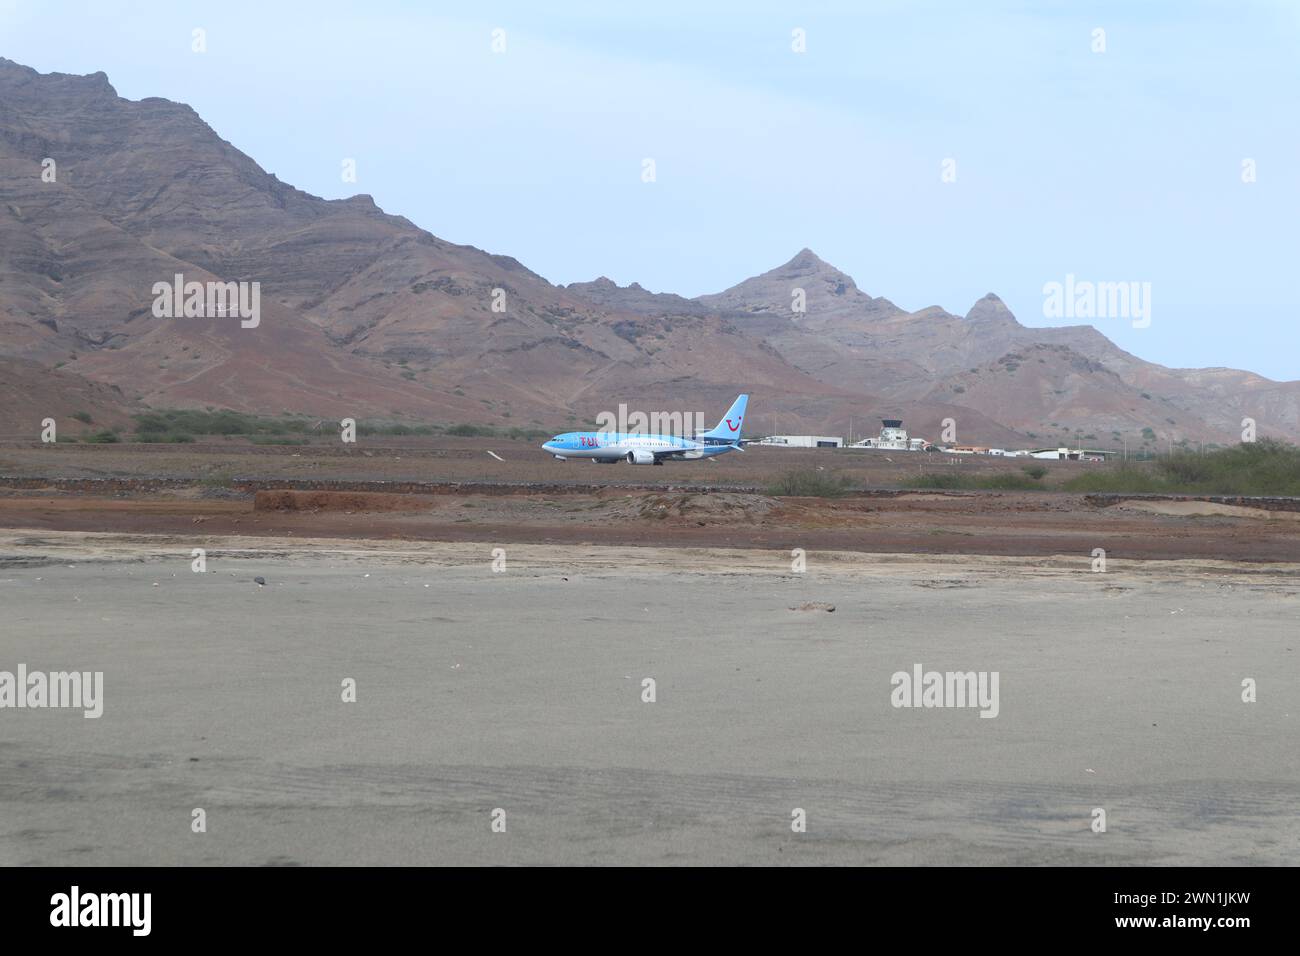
(802, 441)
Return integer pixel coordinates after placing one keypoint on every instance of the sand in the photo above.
(522, 690)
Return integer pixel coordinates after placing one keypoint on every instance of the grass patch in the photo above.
(394, 428)
(808, 483)
(187, 421)
(956, 481)
(276, 440)
(514, 433)
(1256, 468)
(157, 425)
(465, 430)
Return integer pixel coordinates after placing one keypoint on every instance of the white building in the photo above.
(803, 441)
(893, 437)
(1076, 454)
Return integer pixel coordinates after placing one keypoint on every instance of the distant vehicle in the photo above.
(638, 449)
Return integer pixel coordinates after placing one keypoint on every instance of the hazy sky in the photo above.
(1117, 166)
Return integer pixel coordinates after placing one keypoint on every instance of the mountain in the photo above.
(362, 312)
(610, 296)
(831, 299)
(1040, 382)
(31, 392)
(365, 314)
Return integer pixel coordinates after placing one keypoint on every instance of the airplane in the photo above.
(637, 449)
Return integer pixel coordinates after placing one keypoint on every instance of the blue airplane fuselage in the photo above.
(642, 449)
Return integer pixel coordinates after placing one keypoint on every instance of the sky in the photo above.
(934, 151)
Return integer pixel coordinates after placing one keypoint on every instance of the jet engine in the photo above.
(639, 456)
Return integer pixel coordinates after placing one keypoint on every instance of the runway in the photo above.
(523, 690)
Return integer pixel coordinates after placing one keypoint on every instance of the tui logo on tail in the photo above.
(728, 427)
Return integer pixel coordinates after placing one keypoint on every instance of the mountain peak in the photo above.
(807, 264)
(805, 260)
(991, 310)
(826, 295)
(76, 83)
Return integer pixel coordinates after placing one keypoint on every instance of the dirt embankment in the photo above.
(348, 502)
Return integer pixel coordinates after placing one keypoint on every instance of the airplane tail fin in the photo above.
(729, 428)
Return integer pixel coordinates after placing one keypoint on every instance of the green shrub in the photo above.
(1185, 469)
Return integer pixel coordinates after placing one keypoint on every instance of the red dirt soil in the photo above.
(995, 524)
